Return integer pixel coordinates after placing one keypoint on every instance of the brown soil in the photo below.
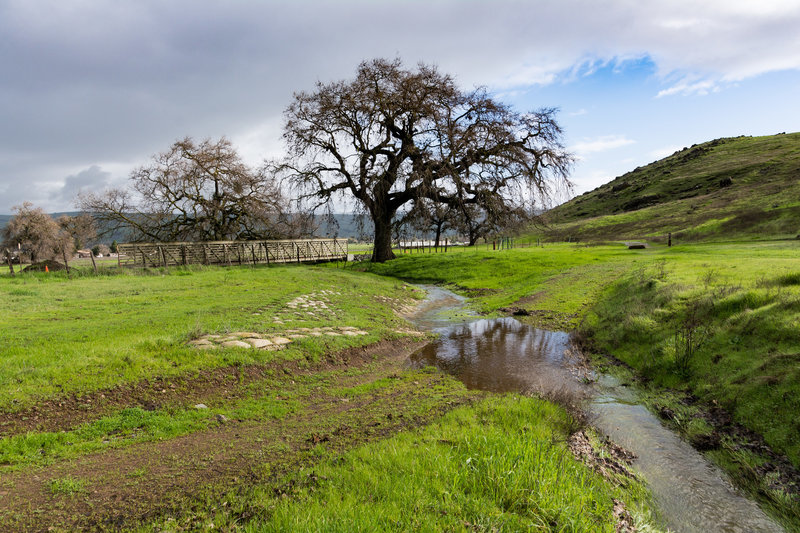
(50, 265)
(613, 463)
(531, 299)
(149, 481)
(67, 412)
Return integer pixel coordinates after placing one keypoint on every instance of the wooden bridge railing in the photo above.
(231, 252)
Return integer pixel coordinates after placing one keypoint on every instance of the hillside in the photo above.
(741, 187)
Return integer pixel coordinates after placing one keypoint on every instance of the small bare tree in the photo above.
(35, 233)
(194, 191)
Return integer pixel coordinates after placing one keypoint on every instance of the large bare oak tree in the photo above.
(393, 136)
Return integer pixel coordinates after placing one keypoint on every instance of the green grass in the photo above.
(502, 465)
(742, 304)
(682, 194)
(495, 279)
(63, 336)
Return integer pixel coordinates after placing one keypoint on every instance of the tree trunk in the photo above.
(382, 249)
(438, 234)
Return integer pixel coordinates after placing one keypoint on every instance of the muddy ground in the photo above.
(152, 480)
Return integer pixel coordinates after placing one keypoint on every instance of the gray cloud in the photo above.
(91, 179)
(108, 83)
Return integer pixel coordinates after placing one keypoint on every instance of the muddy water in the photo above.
(504, 355)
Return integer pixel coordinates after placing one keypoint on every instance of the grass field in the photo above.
(104, 398)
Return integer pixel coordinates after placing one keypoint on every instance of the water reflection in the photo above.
(500, 355)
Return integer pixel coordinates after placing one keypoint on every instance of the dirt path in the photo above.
(123, 487)
(67, 412)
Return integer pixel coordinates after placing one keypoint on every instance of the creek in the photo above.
(505, 355)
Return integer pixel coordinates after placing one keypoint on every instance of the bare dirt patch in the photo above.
(69, 411)
(610, 460)
(142, 482)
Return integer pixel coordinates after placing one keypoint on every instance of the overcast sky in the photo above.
(91, 89)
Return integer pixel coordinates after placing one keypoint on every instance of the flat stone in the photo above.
(201, 406)
(211, 336)
(201, 342)
(315, 333)
(259, 343)
(360, 332)
(347, 328)
(235, 344)
(280, 340)
(350, 333)
(206, 347)
(333, 334)
(298, 336)
(274, 347)
(247, 334)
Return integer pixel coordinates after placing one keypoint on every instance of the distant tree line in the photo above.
(409, 148)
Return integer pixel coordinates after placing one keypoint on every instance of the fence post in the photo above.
(91, 254)
(64, 253)
(10, 262)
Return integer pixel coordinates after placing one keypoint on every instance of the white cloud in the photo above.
(686, 88)
(600, 144)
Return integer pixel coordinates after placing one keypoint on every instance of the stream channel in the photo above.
(505, 355)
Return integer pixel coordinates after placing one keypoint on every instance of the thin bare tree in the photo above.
(195, 191)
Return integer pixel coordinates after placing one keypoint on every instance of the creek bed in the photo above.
(505, 355)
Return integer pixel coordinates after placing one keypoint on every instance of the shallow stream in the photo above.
(505, 355)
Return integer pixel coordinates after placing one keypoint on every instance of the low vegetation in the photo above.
(730, 188)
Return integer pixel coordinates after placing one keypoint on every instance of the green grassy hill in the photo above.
(742, 187)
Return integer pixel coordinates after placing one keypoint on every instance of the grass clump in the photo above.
(66, 486)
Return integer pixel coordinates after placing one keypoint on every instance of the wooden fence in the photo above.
(231, 252)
